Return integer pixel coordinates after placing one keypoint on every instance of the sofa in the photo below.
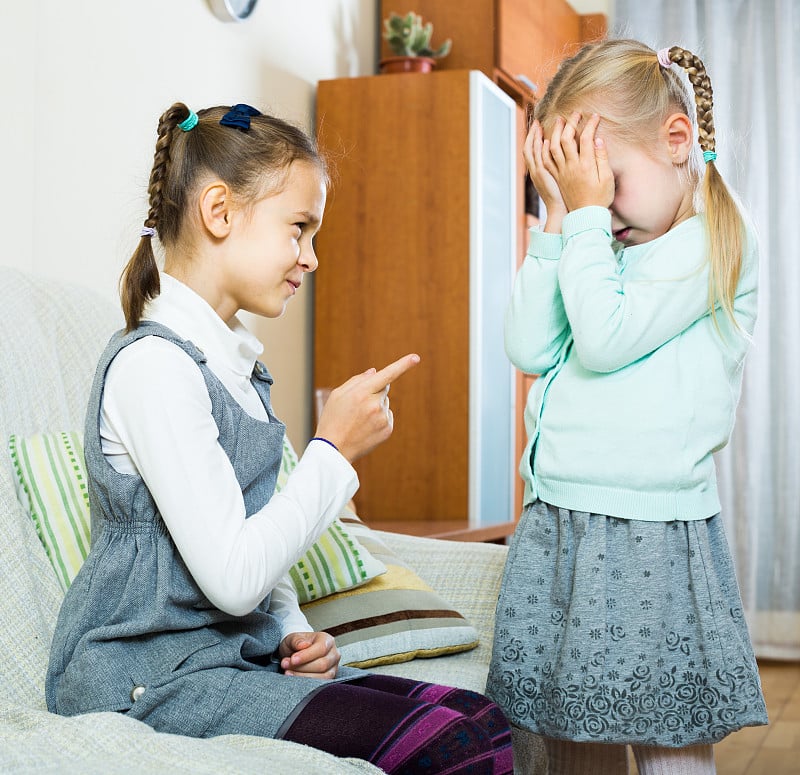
(50, 337)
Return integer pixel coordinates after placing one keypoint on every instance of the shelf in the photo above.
(447, 529)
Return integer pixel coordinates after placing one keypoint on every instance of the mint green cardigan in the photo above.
(638, 386)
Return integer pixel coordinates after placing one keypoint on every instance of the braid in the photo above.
(140, 281)
(166, 126)
(723, 218)
(703, 94)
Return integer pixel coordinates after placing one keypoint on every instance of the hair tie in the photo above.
(190, 122)
(663, 57)
(709, 156)
(239, 116)
(147, 231)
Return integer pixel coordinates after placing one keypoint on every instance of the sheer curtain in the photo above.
(750, 51)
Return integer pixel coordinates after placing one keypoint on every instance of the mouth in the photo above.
(622, 234)
(293, 284)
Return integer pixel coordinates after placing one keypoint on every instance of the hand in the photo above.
(579, 166)
(544, 183)
(309, 654)
(357, 417)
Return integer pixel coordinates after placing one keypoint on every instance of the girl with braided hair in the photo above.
(183, 615)
(619, 620)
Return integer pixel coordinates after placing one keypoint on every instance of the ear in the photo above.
(680, 137)
(215, 209)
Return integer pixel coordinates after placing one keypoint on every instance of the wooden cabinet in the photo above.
(417, 253)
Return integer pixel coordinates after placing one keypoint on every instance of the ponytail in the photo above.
(140, 280)
(723, 218)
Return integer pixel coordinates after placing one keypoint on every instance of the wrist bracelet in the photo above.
(320, 438)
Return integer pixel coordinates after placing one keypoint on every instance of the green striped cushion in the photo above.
(395, 618)
(51, 485)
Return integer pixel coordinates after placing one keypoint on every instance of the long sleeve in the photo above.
(284, 604)
(172, 440)
(536, 324)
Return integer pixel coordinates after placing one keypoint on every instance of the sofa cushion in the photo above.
(51, 485)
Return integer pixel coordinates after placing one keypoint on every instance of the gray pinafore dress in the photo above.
(135, 633)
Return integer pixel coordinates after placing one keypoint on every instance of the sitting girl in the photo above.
(182, 616)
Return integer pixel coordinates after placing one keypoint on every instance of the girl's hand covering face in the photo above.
(543, 181)
(578, 163)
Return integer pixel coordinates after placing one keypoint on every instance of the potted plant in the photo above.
(410, 40)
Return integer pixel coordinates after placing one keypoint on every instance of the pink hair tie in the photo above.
(663, 57)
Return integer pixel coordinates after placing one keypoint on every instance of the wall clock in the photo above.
(232, 10)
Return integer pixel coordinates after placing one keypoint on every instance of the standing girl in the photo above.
(182, 615)
(620, 620)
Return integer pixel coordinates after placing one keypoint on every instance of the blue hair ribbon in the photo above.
(709, 156)
(239, 116)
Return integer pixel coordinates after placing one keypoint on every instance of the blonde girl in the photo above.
(619, 620)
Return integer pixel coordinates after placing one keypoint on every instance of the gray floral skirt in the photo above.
(622, 631)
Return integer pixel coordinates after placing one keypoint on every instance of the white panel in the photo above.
(493, 218)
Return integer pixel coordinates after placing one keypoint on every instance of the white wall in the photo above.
(83, 84)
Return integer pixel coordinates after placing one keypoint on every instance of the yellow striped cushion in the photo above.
(52, 486)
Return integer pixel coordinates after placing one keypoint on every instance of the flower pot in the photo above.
(403, 64)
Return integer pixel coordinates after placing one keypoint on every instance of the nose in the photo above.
(308, 259)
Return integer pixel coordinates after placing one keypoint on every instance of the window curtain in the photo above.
(750, 51)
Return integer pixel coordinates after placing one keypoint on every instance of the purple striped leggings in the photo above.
(405, 726)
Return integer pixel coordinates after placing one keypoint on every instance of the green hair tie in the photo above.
(190, 122)
(709, 156)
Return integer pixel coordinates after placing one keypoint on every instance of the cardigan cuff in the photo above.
(545, 245)
(586, 219)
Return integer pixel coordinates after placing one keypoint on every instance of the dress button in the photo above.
(137, 692)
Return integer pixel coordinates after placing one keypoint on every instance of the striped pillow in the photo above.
(337, 561)
(395, 618)
(52, 486)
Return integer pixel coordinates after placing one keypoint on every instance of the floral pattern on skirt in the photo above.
(623, 631)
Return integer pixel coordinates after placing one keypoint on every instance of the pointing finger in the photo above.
(389, 373)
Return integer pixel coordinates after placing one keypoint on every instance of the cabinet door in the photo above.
(397, 254)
